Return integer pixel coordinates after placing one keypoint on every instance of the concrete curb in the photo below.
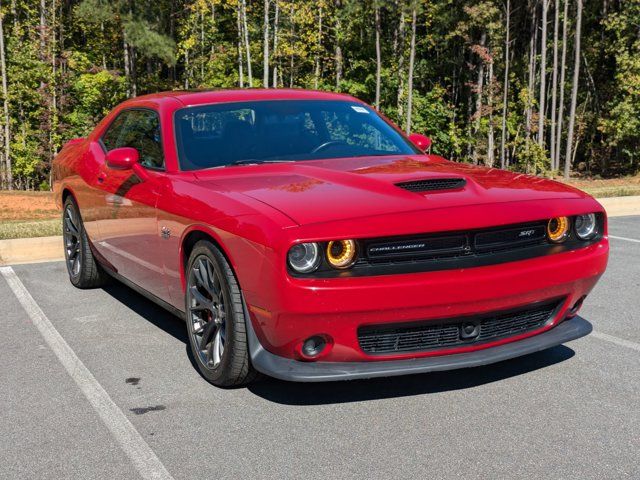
(621, 206)
(31, 250)
(49, 249)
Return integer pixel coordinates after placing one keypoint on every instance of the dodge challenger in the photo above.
(302, 235)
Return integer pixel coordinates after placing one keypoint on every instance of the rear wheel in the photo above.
(215, 318)
(84, 271)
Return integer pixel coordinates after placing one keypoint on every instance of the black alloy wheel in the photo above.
(216, 318)
(82, 267)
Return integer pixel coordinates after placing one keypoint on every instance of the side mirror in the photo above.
(421, 141)
(123, 158)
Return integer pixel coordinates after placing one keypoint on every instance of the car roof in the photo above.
(201, 97)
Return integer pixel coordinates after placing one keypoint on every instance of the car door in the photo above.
(128, 224)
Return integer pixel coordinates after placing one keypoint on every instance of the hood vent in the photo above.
(432, 184)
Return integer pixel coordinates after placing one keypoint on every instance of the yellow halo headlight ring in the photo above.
(341, 253)
(558, 229)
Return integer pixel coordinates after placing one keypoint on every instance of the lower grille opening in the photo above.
(455, 332)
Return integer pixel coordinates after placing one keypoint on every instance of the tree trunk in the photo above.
(574, 91)
(201, 57)
(265, 46)
(3, 163)
(554, 85)
(490, 135)
(291, 59)
(240, 58)
(134, 76)
(338, 52)
(8, 176)
(412, 54)
(275, 43)
(54, 96)
(563, 69)
(14, 14)
(401, 41)
(316, 75)
(42, 54)
(187, 71)
(479, 90)
(505, 89)
(130, 63)
(532, 79)
(543, 73)
(104, 55)
(247, 45)
(43, 28)
(127, 72)
(213, 32)
(172, 34)
(378, 56)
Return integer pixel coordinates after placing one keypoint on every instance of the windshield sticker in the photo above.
(359, 109)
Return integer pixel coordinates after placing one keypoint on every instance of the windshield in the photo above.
(283, 130)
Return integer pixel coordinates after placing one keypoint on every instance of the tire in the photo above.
(83, 270)
(215, 318)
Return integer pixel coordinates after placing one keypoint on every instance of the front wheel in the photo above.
(215, 318)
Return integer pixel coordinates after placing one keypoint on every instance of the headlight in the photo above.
(304, 257)
(558, 229)
(586, 226)
(341, 253)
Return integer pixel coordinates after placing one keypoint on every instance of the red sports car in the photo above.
(302, 235)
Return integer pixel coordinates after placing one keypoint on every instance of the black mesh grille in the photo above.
(432, 184)
(510, 238)
(416, 248)
(439, 334)
(455, 244)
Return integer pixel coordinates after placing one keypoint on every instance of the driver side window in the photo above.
(139, 129)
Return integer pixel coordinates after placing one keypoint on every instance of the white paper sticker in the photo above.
(359, 109)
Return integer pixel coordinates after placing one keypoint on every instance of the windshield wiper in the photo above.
(380, 154)
(252, 161)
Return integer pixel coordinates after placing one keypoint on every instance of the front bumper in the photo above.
(298, 309)
(299, 371)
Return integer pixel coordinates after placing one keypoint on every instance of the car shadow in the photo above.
(290, 393)
(153, 313)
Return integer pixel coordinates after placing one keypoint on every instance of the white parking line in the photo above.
(618, 341)
(625, 238)
(138, 451)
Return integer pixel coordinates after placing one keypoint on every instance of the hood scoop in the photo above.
(432, 184)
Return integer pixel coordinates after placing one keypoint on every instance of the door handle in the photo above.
(102, 177)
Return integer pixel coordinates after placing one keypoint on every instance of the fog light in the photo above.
(558, 229)
(313, 346)
(469, 330)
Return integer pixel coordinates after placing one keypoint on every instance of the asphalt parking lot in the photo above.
(115, 395)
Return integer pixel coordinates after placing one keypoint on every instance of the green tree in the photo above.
(67, 63)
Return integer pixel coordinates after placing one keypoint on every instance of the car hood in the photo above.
(340, 189)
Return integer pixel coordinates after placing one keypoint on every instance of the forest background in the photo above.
(548, 87)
